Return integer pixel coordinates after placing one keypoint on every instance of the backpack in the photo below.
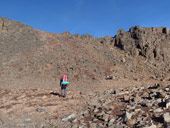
(65, 80)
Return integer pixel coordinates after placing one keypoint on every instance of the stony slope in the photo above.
(29, 53)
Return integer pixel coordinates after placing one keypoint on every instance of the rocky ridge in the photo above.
(151, 43)
(27, 52)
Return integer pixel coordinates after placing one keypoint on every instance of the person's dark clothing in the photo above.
(63, 86)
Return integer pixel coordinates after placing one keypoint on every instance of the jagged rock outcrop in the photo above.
(152, 43)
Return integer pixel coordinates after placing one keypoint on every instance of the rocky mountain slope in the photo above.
(27, 52)
(151, 43)
(31, 62)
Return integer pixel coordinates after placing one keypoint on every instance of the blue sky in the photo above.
(97, 17)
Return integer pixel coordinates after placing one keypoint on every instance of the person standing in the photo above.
(63, 84)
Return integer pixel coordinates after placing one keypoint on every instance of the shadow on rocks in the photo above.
(55, 94)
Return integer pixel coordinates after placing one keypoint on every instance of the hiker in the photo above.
(109, 77)
(63, 84)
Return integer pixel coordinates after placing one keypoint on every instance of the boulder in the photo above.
(111, 121)
(27, 123)
(158, 110)
(137, 99)
(126, 97)
(167, 101)
(145, 94)
(74, 126)
(106, 117)
(131, 122)
(93, 125)
(127, 116)
(152, 126)
(69, 118)
(166, 117)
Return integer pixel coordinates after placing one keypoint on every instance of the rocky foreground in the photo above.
(144, 107)
(138, 107)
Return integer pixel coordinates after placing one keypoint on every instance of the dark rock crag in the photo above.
(152, 43)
